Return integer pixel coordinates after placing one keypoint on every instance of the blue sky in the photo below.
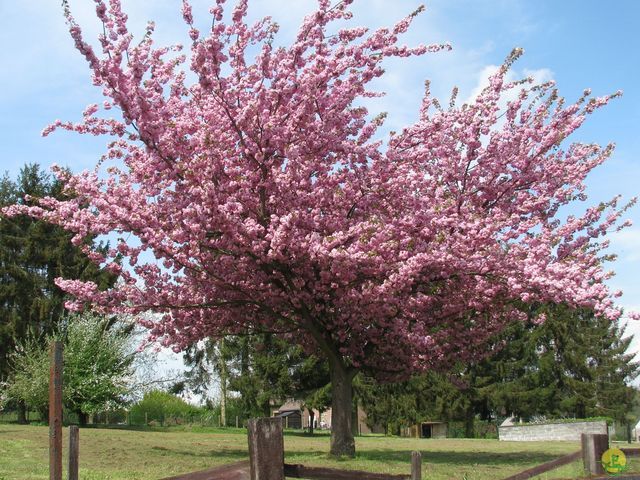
(578, 43)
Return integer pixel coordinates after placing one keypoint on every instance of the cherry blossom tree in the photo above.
(261, 198)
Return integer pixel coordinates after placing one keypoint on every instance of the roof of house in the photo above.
(288, 413)
(508, 422)
(291, 405)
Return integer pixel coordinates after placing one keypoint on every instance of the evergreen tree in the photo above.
(311, 384)
(32, 254)
(262, 369)
(430, 396)
(266, 370)
(575, 364)
(391, 405)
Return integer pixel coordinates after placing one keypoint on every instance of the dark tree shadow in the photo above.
(230, 453)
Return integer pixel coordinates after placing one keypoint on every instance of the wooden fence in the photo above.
(593, 446)
(266, 461)
(266, 450)
(266, 447)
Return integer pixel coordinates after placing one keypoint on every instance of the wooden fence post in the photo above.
(593, 446)
(266, 448)
(74, 452)
(416, 466)
(55, 411)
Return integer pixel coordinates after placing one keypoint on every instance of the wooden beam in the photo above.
(631, 452)
(55, 411)
(321, 473)
(593, 446)
(545, 467)
(233, 471)
(74, 452)
(266, 448)
(416, 466)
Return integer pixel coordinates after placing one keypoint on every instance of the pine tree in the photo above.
(575, 364)
(262, 369)
(33, 253)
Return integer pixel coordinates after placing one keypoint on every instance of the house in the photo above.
(635, 433)
(363, 426)
(294, 415)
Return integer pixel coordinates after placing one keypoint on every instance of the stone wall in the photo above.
(550, 431)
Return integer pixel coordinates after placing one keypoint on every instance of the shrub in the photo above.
(162, 407)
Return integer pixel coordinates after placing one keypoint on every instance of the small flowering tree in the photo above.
(97, 367)
(270, 203)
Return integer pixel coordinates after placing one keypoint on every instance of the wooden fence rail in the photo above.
(546, 467)
(593, 446)
(320, 473)
(232, 471)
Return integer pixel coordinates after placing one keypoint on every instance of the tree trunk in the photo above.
(22, 413)
(44, 414)
(311, 420)
(469, 423)
(223, 385)
(342, 442)
(82, 419)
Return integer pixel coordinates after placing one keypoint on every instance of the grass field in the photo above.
(114, 454)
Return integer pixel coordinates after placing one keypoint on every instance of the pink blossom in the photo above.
(268, 201)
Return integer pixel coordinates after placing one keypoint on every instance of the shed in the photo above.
(635, 433)
(429, 429)
(291, 418)
(291, 414)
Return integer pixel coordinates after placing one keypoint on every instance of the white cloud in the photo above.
(626, 244)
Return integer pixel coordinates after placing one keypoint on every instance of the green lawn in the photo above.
(110, 454)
